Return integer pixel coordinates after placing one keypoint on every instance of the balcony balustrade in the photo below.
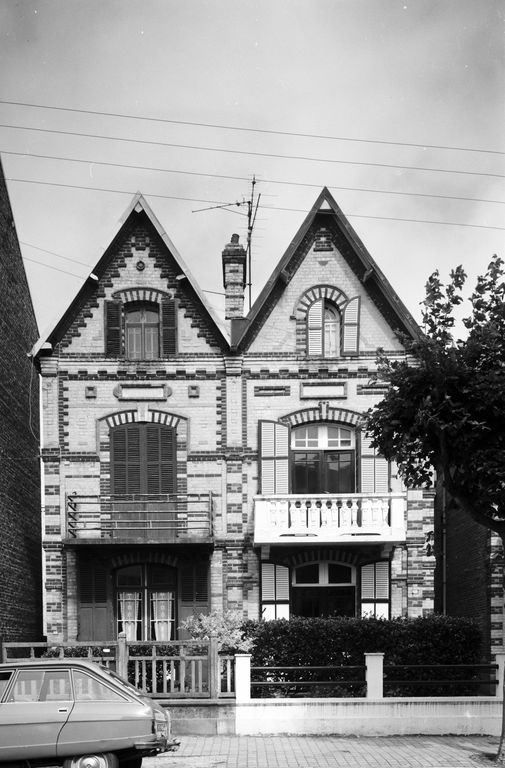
(329, 518)
(143, 518)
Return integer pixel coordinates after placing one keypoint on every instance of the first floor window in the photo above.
(146, 602)
(323, 459)
(142, 327)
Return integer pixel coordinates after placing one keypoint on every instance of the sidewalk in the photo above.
(328, 752)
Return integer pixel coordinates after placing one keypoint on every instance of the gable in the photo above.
(140, 269)
(327, 251)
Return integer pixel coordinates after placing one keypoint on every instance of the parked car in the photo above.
(76, 714)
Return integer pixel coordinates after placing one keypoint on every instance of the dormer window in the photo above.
(142, 331)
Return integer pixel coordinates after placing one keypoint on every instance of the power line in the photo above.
(243, 178)
(252, 130)
(194, 147)
(268, 207)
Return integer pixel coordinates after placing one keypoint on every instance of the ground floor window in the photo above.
(324, 589)
(145, 602)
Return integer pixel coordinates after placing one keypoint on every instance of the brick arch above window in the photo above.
(328, 292)
(136, 558)
(131, 416)
(323, 412)
(318, 555)
(128, 295)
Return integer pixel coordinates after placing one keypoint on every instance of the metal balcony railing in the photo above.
(140, 517)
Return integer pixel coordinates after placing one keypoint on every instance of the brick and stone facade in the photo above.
(227, 521)
(20, 540)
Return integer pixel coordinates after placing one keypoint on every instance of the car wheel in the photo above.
(105, 760)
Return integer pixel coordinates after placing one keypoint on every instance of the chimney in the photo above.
(234, 278)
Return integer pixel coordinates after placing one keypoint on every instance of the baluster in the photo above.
(345, 514)
(354, 513)
(366, 513)
(313, 515)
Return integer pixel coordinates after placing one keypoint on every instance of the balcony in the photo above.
(329, 519)
(140, 518)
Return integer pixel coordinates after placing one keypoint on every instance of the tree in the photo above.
(445, 408)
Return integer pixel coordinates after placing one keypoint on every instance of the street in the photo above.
(328, 752)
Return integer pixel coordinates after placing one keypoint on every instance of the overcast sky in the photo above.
(371, 76)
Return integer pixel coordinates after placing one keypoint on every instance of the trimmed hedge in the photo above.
(342, 642)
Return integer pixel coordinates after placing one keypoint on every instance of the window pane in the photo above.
(4, 679)
(162, 615)
(129, 613)
(134, 342)
(152, 344)
(56, 686)
(307, 574)
(339, 472)
(27, 686)
(134, 316)
(306, 473)
(130, 576)
(88, 688)
(339, 574)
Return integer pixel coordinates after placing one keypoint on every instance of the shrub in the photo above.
(227, 628)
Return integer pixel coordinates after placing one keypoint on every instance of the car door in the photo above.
(32, 713)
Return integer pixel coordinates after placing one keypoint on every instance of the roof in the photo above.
(370, 272)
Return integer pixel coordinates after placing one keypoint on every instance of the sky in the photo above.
(397, 106)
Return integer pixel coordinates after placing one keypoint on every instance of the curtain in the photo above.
(161, 604)
(129, 607)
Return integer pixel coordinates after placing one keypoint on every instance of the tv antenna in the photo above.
(252, 209)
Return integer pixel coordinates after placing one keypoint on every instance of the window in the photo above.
(145, 602)
(88, 688)
(274, 591)
(375, 589)
(143, 459)
(323, 459)
(323, 329)
(142, 331)
(324, 589)
(332, 332)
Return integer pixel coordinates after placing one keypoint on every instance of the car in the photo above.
(76, 714)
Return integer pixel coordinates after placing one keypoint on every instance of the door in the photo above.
(36, 708)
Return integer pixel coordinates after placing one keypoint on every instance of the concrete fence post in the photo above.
(214, 670)
(374, 675)
(122, 656)
(242, 677)
(500, 660)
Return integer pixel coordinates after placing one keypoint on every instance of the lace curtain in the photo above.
(129, 609)
(161, 605)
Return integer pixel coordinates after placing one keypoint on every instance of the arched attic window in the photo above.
(141, 325)
(142, 330)
(332, 334)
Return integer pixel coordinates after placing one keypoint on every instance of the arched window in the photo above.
(142, 330)
(323, 459)
(323, 329)
(145, 602)
(143, 459)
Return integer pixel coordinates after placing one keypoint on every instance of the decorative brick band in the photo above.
(316, 555)
(140, 294)
(133, 558)
(329, 292)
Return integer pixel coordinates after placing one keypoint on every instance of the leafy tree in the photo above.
(445, 407)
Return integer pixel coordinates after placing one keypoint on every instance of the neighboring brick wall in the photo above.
(20, 558)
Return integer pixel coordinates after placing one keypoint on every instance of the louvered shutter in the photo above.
(375, 589)
(274, 591)
(126, 459)
(374, 469)
(113, 317)
(315, 328)
(274, 457)
(94, 609)
(350, 327)
(168, 327)
(159, 459)
(194, 590)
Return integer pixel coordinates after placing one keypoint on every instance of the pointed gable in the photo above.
(326, 262)
(140, 268)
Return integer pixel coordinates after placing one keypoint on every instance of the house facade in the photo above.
(20, 540)
(192, 465)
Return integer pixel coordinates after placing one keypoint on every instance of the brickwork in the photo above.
(20, 561)
(214, 399)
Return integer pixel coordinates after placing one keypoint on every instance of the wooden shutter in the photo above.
(94, 608)
(375, 589)
(274, 591)
(274, 457)
(315, 328)
(168, 327)
(374, 469)
(126, 459)
(194, 590)
(160, 459)
(350, 327)
(113, 318)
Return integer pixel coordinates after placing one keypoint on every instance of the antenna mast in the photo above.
(252, 210)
